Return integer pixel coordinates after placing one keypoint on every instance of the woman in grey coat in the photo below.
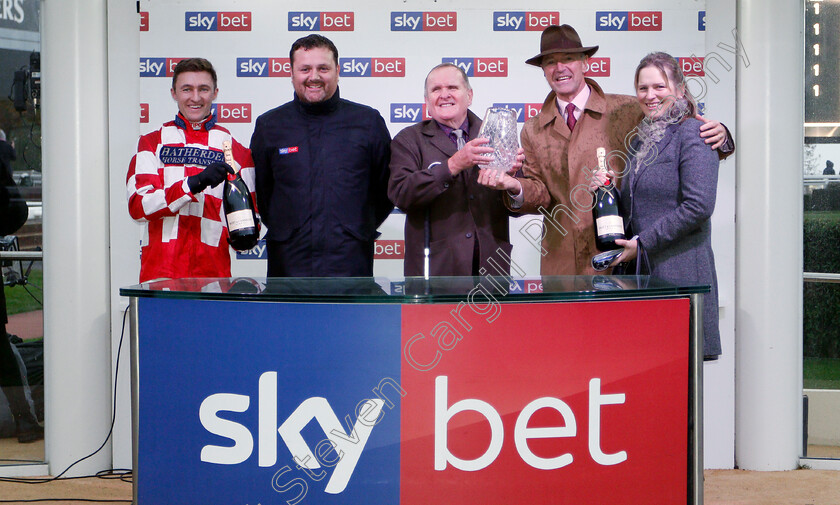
(669, 188)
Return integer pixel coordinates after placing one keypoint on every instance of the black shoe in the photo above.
(29, 431)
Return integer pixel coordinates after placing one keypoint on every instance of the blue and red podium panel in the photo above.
(486, 403)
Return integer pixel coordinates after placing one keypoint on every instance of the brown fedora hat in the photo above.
(560, 39)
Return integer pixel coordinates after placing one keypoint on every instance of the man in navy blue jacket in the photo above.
(321, 172)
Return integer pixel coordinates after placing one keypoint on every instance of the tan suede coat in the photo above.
(557, 169)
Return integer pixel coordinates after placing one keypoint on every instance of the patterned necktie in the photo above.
(460, 138)
(570, 116)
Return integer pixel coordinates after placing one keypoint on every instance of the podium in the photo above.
(491, 390)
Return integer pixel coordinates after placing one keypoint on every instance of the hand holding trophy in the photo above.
(499, 127)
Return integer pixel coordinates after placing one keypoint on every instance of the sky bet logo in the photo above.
(424, 21)
(217, 21)
(524, 111)
(612, 21)
(158, 67)
(480, 67)
(701, 21)
(598, 67)
(692, 66)
(347, 447)
(389, 250)
(372, 67)
(524, 21)
(409, 112)
(263, 67)
(232, 112)
(144, 113)
(255, 253)
(321, 21)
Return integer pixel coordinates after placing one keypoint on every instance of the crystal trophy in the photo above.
(499, 127)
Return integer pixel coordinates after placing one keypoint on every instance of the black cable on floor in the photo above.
(119, 473)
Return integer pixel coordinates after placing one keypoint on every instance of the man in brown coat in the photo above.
(560, 144)
(439, 186)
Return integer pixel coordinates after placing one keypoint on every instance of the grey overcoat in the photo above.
(669, 201)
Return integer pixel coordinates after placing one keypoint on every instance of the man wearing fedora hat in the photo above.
(560, 146)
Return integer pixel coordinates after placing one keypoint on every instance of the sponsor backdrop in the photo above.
(386, 49)
(409, 405)
(385, 54)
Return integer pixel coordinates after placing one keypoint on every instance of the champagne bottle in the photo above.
(243, 226)
(609, 225)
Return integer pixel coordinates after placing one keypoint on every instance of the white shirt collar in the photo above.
(579, 100)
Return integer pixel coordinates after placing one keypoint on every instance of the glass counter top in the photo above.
(413, 289)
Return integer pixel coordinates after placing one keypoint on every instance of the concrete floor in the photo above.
(722, 487)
